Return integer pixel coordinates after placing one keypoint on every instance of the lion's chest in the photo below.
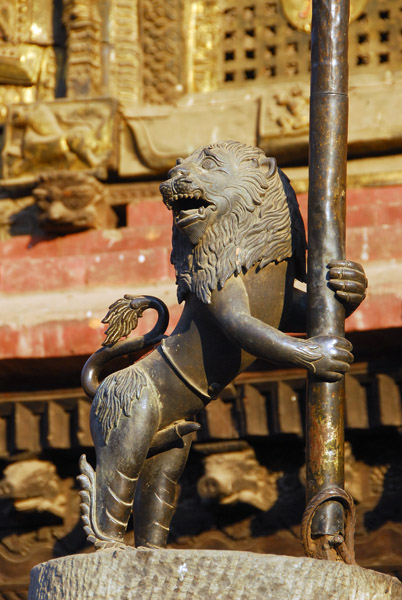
(201, 350)
(267, 290)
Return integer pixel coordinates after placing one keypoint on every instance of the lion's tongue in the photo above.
(188, 216)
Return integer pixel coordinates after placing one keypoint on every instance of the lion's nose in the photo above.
(179, 170)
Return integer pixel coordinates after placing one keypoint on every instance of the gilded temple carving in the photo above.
(103, 51)
(27, 53)
(162, 51)
(58, 136)
(122, 70)
(82, 20)
(33, 485)
(237, 476)
(205, 63)
(203, 42)
(72, 202)
(291, 110)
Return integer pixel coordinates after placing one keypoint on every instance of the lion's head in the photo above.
(232, 208)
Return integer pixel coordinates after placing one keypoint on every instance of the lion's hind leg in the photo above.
(121, 448)
(155, 501)
(104, 528)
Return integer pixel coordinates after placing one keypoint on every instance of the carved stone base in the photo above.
(141, 574)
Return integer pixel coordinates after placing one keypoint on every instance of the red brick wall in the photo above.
(77, 272)
(374, 238)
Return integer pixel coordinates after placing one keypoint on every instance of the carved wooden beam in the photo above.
(259, 403)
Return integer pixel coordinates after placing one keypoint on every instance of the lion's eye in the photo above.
(208, 163)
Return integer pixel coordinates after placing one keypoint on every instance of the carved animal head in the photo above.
(232, 208)
(72, 202)
(33, 485)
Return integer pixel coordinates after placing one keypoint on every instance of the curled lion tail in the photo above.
(122, 318)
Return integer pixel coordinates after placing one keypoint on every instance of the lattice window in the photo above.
(259, 43)
(376, 38)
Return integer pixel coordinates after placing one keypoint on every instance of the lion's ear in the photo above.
(270, 163)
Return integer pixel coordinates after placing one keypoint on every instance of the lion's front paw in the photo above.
(349, 282)
(336, 357)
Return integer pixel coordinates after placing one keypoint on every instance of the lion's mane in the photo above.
(262, 226)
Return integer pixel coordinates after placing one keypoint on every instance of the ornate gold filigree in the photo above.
(203, 40)
(83, 23)
(162, 50)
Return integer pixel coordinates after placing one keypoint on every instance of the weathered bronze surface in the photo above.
(238, 244)
(327, 192)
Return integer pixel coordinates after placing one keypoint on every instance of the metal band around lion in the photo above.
(326, 240)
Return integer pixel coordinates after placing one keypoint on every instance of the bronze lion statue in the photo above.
(238, 245)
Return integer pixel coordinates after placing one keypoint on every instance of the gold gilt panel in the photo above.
(204, 34)
(83, 23)
(27, 53)
(122, 68)
(26, 21)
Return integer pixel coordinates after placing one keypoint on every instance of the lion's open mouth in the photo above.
(186, 200)
(190, 208)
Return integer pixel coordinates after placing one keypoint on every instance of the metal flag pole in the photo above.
(327, 518)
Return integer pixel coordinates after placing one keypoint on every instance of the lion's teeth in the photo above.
(201, 210)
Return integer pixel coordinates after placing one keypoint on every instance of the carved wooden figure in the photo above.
(238, 245)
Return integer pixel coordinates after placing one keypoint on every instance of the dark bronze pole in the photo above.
(326, 239)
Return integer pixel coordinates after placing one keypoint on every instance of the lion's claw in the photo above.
(336, 357)
(349, 282)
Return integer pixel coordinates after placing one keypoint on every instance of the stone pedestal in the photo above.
(141, 574)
